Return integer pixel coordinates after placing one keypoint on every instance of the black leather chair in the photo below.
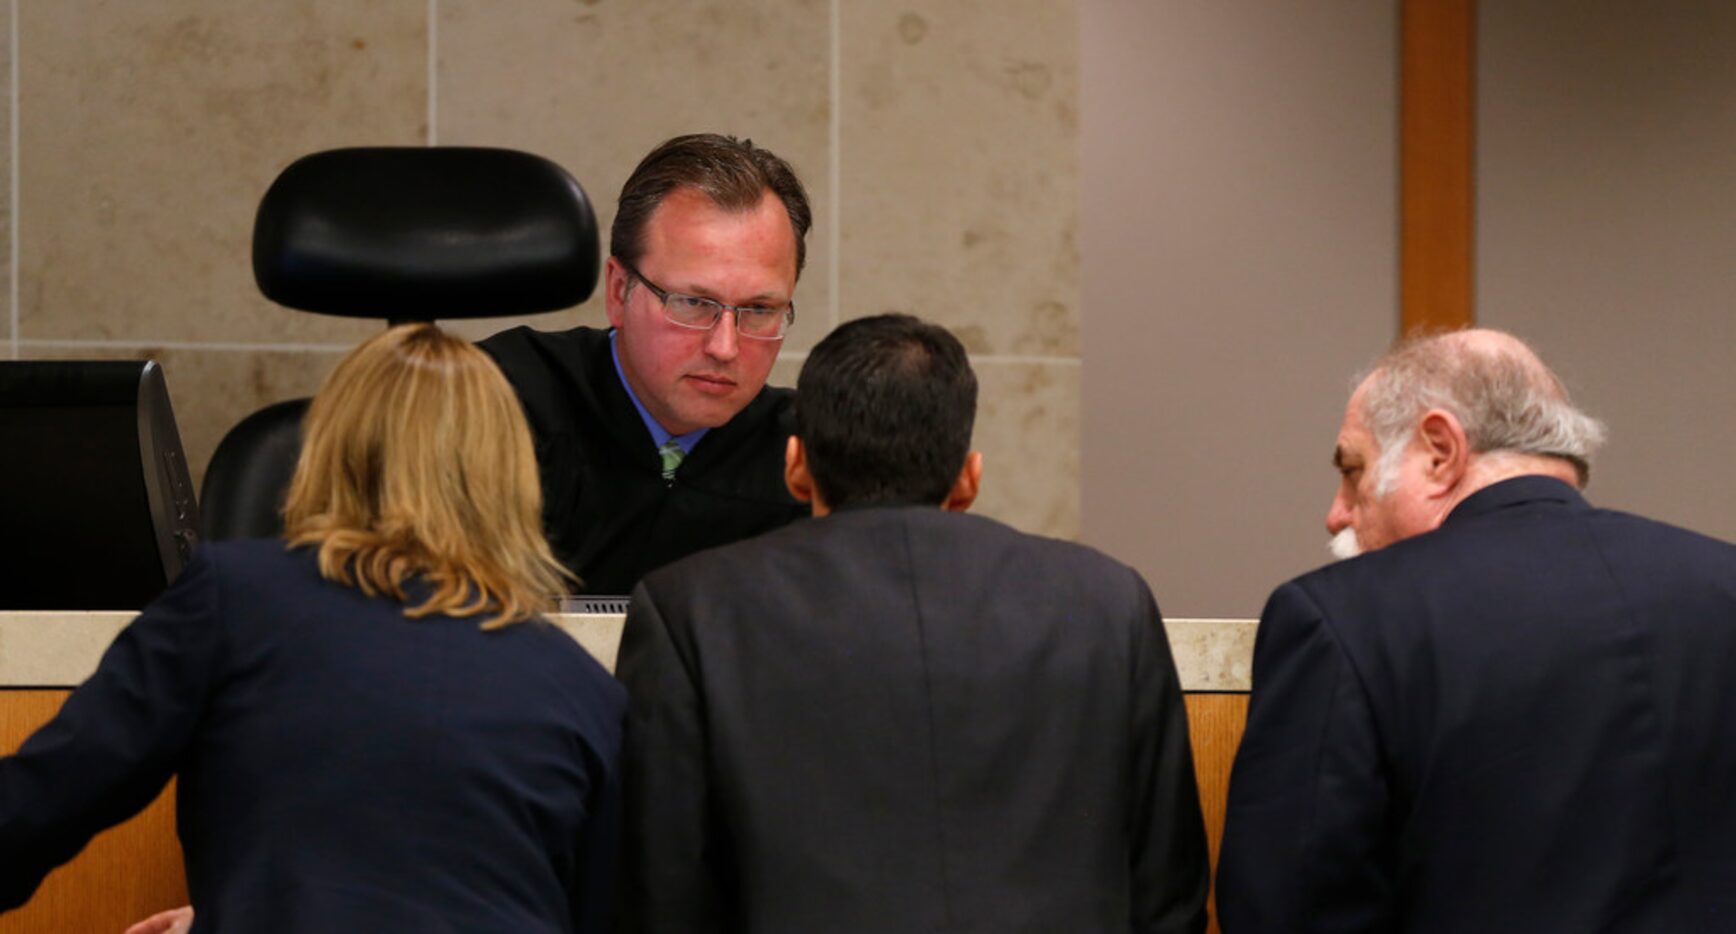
(402, 234)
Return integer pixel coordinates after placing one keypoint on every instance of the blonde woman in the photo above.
(372, 728)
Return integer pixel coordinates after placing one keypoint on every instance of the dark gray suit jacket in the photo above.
(1523, 721)
(900, 719)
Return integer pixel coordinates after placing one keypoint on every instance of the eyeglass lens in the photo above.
(696, 312)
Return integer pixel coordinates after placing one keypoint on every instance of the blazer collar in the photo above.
(886, 504)
(1517, 491)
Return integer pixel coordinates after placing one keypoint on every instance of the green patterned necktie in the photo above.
(671, 454)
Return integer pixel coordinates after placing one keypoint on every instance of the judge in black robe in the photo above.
(609, 514)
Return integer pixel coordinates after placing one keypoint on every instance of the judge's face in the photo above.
(687, 378)
(1364, 514)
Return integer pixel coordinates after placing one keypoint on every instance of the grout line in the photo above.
(1012, 359)
(188, 345)
(433, 69)
(833, 229)
(12, 280)
(1006, 359)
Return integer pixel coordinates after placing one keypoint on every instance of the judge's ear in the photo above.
(615, 283)
(797, 476)
(1448, 449)
(964, 489)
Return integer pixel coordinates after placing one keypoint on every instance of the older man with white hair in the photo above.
(1513, 712)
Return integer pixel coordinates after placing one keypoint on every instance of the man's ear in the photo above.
(796, 474)
(615, 283)
(1448, 450)
(964, 489)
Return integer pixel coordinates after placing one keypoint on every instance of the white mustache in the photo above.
(1344, 545)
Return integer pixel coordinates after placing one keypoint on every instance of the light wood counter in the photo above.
(41, 650)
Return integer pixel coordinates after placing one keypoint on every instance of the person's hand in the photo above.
(174, 921)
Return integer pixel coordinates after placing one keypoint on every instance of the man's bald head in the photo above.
(1438, 419)
(1503, 395)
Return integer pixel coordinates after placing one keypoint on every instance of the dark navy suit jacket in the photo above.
(342, 767)
(1522, 721)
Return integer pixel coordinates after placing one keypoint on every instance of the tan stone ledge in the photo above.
(59, 650)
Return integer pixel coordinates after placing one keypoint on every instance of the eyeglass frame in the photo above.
(663, 295)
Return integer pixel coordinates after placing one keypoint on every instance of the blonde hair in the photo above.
(416, 461)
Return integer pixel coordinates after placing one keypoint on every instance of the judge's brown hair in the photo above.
(416, 462)
(734, 173)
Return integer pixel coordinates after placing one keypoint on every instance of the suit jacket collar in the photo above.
(886, 504)
(1517, 491)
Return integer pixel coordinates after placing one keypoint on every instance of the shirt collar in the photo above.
(1514, 492)
(659, 435)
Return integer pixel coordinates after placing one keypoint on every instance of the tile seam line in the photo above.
(1025, 359)
(835, 180)
(12, 180)
(243, 346)
(235, 346)
(433, 70)
(793, 356)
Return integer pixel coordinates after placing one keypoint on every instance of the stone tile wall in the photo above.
(938, 139)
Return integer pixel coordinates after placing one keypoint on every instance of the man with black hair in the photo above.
(659, 437)
(896, 717)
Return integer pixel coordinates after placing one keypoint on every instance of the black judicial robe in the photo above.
(608, 512)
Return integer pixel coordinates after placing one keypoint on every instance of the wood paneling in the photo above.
(125, 875)
(1215, 724)
(134, 870)
(1436, 163)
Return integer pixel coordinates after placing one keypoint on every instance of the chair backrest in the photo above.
(249, 473)
(402, 234)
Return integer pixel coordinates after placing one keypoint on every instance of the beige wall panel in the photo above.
(148, 137)
(788, 367)
(1240, 262)
(958, 186)
(1027, 428)
(212, 389)
(594, 86)
(1606, 210)
(149, 133)
(959, 175)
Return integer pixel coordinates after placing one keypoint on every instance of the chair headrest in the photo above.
(418, 233)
